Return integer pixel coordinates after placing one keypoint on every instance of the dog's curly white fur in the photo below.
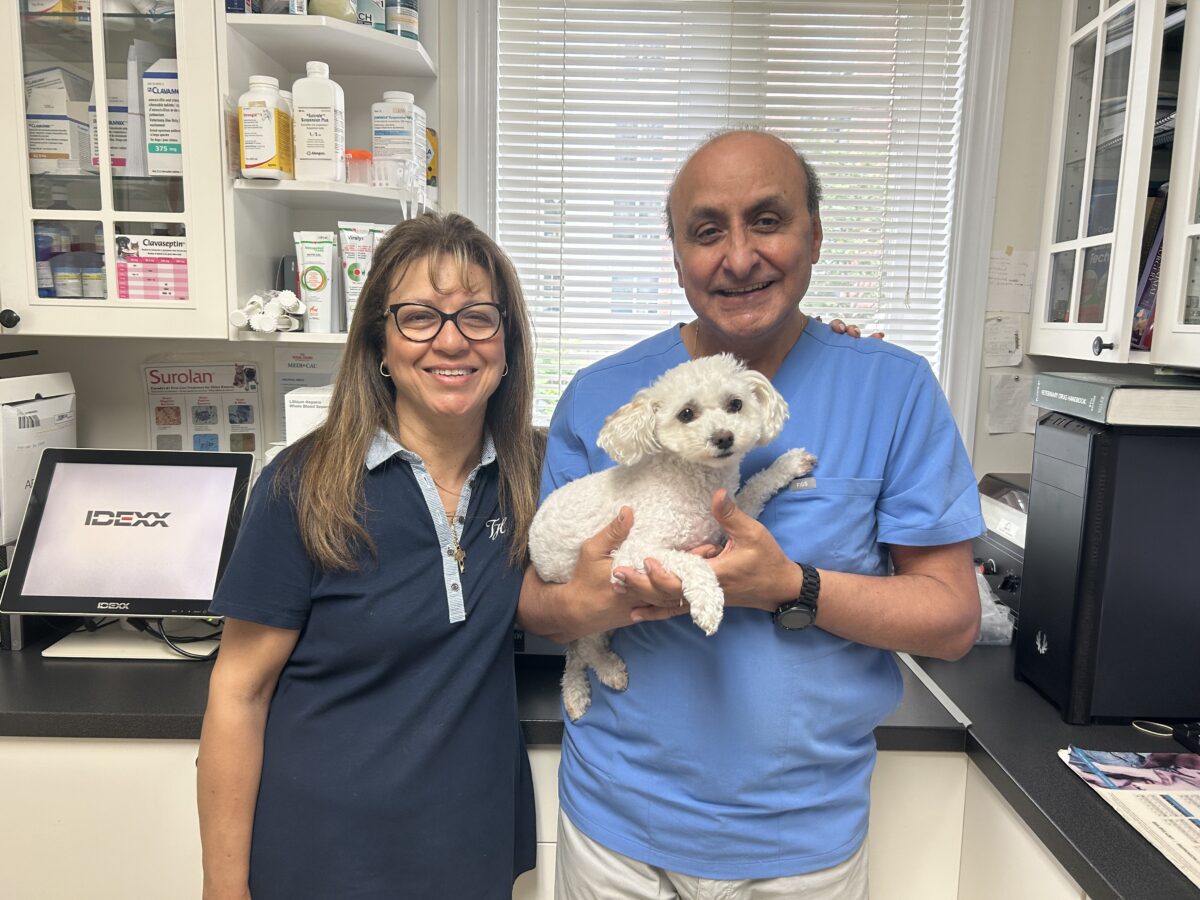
(675, 443)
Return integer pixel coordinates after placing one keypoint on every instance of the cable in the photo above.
(173, 641)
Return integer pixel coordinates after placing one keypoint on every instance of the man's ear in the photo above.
(818, 237)
(629, 434)
(678, 271)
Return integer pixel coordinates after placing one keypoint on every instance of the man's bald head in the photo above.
(804, 171)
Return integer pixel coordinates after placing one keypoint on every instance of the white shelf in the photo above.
(322, 195)
(348, 48)
(290, 337)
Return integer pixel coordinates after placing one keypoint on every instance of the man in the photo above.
(741, 762)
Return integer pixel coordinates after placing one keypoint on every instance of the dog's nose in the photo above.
(722, 440)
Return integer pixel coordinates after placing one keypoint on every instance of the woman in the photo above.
(361, 738)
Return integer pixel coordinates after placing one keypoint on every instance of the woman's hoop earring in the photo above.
(505, 372)
(383, 371)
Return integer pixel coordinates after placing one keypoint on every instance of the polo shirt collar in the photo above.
(384, 447)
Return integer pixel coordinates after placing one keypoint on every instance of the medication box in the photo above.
(36, 412)
(58, 79)
(160, 106)
(57, 133)
(123, 152)
(304, 409)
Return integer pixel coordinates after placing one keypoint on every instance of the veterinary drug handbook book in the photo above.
(1172, 400)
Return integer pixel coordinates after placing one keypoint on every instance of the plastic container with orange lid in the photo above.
(358, 166)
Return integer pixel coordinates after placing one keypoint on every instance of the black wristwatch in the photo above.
(797, 614)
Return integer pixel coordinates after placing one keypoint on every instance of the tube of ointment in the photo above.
(267, 323)
(314, 258)
(357, 246)
(290, 303)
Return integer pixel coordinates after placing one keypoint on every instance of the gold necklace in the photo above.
(460, 555)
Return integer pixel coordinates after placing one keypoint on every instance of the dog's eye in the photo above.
(734, 406)
(686, 415)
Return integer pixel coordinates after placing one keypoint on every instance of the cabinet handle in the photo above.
(8, 318)
(1098, 346)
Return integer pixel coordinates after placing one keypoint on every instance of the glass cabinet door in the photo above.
(1093, 141)
(107, 150)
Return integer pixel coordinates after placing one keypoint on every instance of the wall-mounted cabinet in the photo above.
(1119, 273)
(113, 226)
(261, 216)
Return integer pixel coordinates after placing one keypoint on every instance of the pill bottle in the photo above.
(397, 132)
(401, 17)
(319, 126)
(431, 158)
(92, 282)
(265, 128)
(43, 244)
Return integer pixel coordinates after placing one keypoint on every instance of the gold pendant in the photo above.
(460, 557)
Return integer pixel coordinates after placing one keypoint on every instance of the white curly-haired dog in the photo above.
(675, 443)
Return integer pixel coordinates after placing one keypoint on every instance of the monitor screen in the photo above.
(142, 533)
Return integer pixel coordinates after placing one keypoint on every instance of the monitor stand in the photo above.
(119, 642)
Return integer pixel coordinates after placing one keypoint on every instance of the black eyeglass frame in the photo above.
(394, 312)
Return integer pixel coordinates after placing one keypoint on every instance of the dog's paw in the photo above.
(795, 463)
(575, 710)
(707, 616)
(612, 672)
(576, 698)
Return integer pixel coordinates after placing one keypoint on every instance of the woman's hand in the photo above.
(840, 327)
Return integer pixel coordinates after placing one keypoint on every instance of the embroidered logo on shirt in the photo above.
(497, 527)
(803, 484)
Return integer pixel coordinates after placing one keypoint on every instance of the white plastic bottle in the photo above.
(397, 139)
(319, 126)
(265, 126)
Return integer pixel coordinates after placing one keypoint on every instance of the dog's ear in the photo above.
(629, 434)
(774, 407)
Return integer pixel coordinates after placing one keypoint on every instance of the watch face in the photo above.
(796, 617)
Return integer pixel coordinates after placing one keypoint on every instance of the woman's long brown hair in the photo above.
(323, 472)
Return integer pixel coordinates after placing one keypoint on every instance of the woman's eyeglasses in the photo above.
(421, 323)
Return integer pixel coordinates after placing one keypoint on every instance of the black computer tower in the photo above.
(1109, 624)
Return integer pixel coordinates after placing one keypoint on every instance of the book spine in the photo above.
(1142, 335)
(1075, 398)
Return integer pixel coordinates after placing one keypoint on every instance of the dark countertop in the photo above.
(1013, 738)
(166, 699)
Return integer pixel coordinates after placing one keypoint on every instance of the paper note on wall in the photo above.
(1002, 339)
(1010, 280)
(1010, 406)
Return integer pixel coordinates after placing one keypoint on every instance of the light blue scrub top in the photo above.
(748, 754)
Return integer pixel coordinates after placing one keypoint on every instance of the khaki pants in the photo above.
(585, 870)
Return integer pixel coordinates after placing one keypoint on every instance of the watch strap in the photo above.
(801, 612)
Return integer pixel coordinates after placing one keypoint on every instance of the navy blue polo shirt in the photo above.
(393, 761)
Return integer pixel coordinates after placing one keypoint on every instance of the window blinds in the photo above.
(599, 102)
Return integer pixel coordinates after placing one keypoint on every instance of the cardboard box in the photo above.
(304, 409)
(36, 412)
(160, 108)
(76, 87)
(57, 132)
(125, 153)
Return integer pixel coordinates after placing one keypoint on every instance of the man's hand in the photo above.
(592, 601)
(752, 568)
